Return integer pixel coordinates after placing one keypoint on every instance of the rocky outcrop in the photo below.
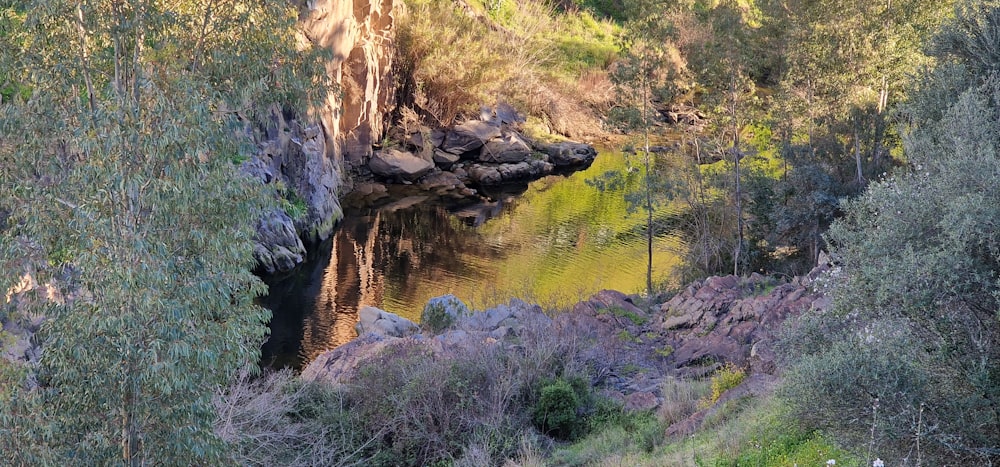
(732, 319)
(359, 34)
(569, 154)
(377, 321)
(483, 153)
(292, 156)
(631, 352)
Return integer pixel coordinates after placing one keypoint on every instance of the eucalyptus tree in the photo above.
(119, 169)
(721, 61)
(642, 75)
(846, 64)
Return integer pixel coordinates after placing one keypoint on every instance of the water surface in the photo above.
(554, 241)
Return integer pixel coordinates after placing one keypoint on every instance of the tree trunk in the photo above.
(649, 194)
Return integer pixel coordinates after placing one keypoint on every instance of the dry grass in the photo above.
(277, 420)
(681, 398)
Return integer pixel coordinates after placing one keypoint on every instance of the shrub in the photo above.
(558, 410)
(441, 313)
(725, 378)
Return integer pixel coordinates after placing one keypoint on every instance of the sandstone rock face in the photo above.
(359, 33)
(401, 165)
(294, 155)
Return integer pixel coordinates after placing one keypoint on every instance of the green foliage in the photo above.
(919, 261)
(556, 412)
(436, 318)
(118, 179)
(293, 204)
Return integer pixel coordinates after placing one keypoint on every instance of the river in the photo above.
(554, 242)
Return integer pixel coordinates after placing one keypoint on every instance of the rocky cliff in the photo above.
(303, 159)
(360, 35)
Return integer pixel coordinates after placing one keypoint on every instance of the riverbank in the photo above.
(516, 383)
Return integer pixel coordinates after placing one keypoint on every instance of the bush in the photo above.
(441, 313)
(558, 410)
(724, 379)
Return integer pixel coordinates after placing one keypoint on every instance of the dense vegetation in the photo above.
(126, 223)
(790, 127)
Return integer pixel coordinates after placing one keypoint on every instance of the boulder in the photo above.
(381, 322)
(278, 247)
(469, 136)
(444, 159)
(401, 165)
(443, 183)
(569, 154)
(502, 173)
(508, 148)
(484, 175)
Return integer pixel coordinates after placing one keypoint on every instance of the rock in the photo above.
(337, 366)
(507, 114)
(381, 322)
(295, 156)
(437, 137)
(569, 154)
(484, 175)
(442, 183)
(359, 36)
(508, 148)
(469, 136)
(641, 401)
(443, 312)
(524, 170)
(278, 247)
(723, 319)
(488, 175)
(444, 159)
(401, 165)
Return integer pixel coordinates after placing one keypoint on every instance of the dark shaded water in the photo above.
(554, 242)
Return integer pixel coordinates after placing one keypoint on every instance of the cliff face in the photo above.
(305, 158)
(360, 35)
